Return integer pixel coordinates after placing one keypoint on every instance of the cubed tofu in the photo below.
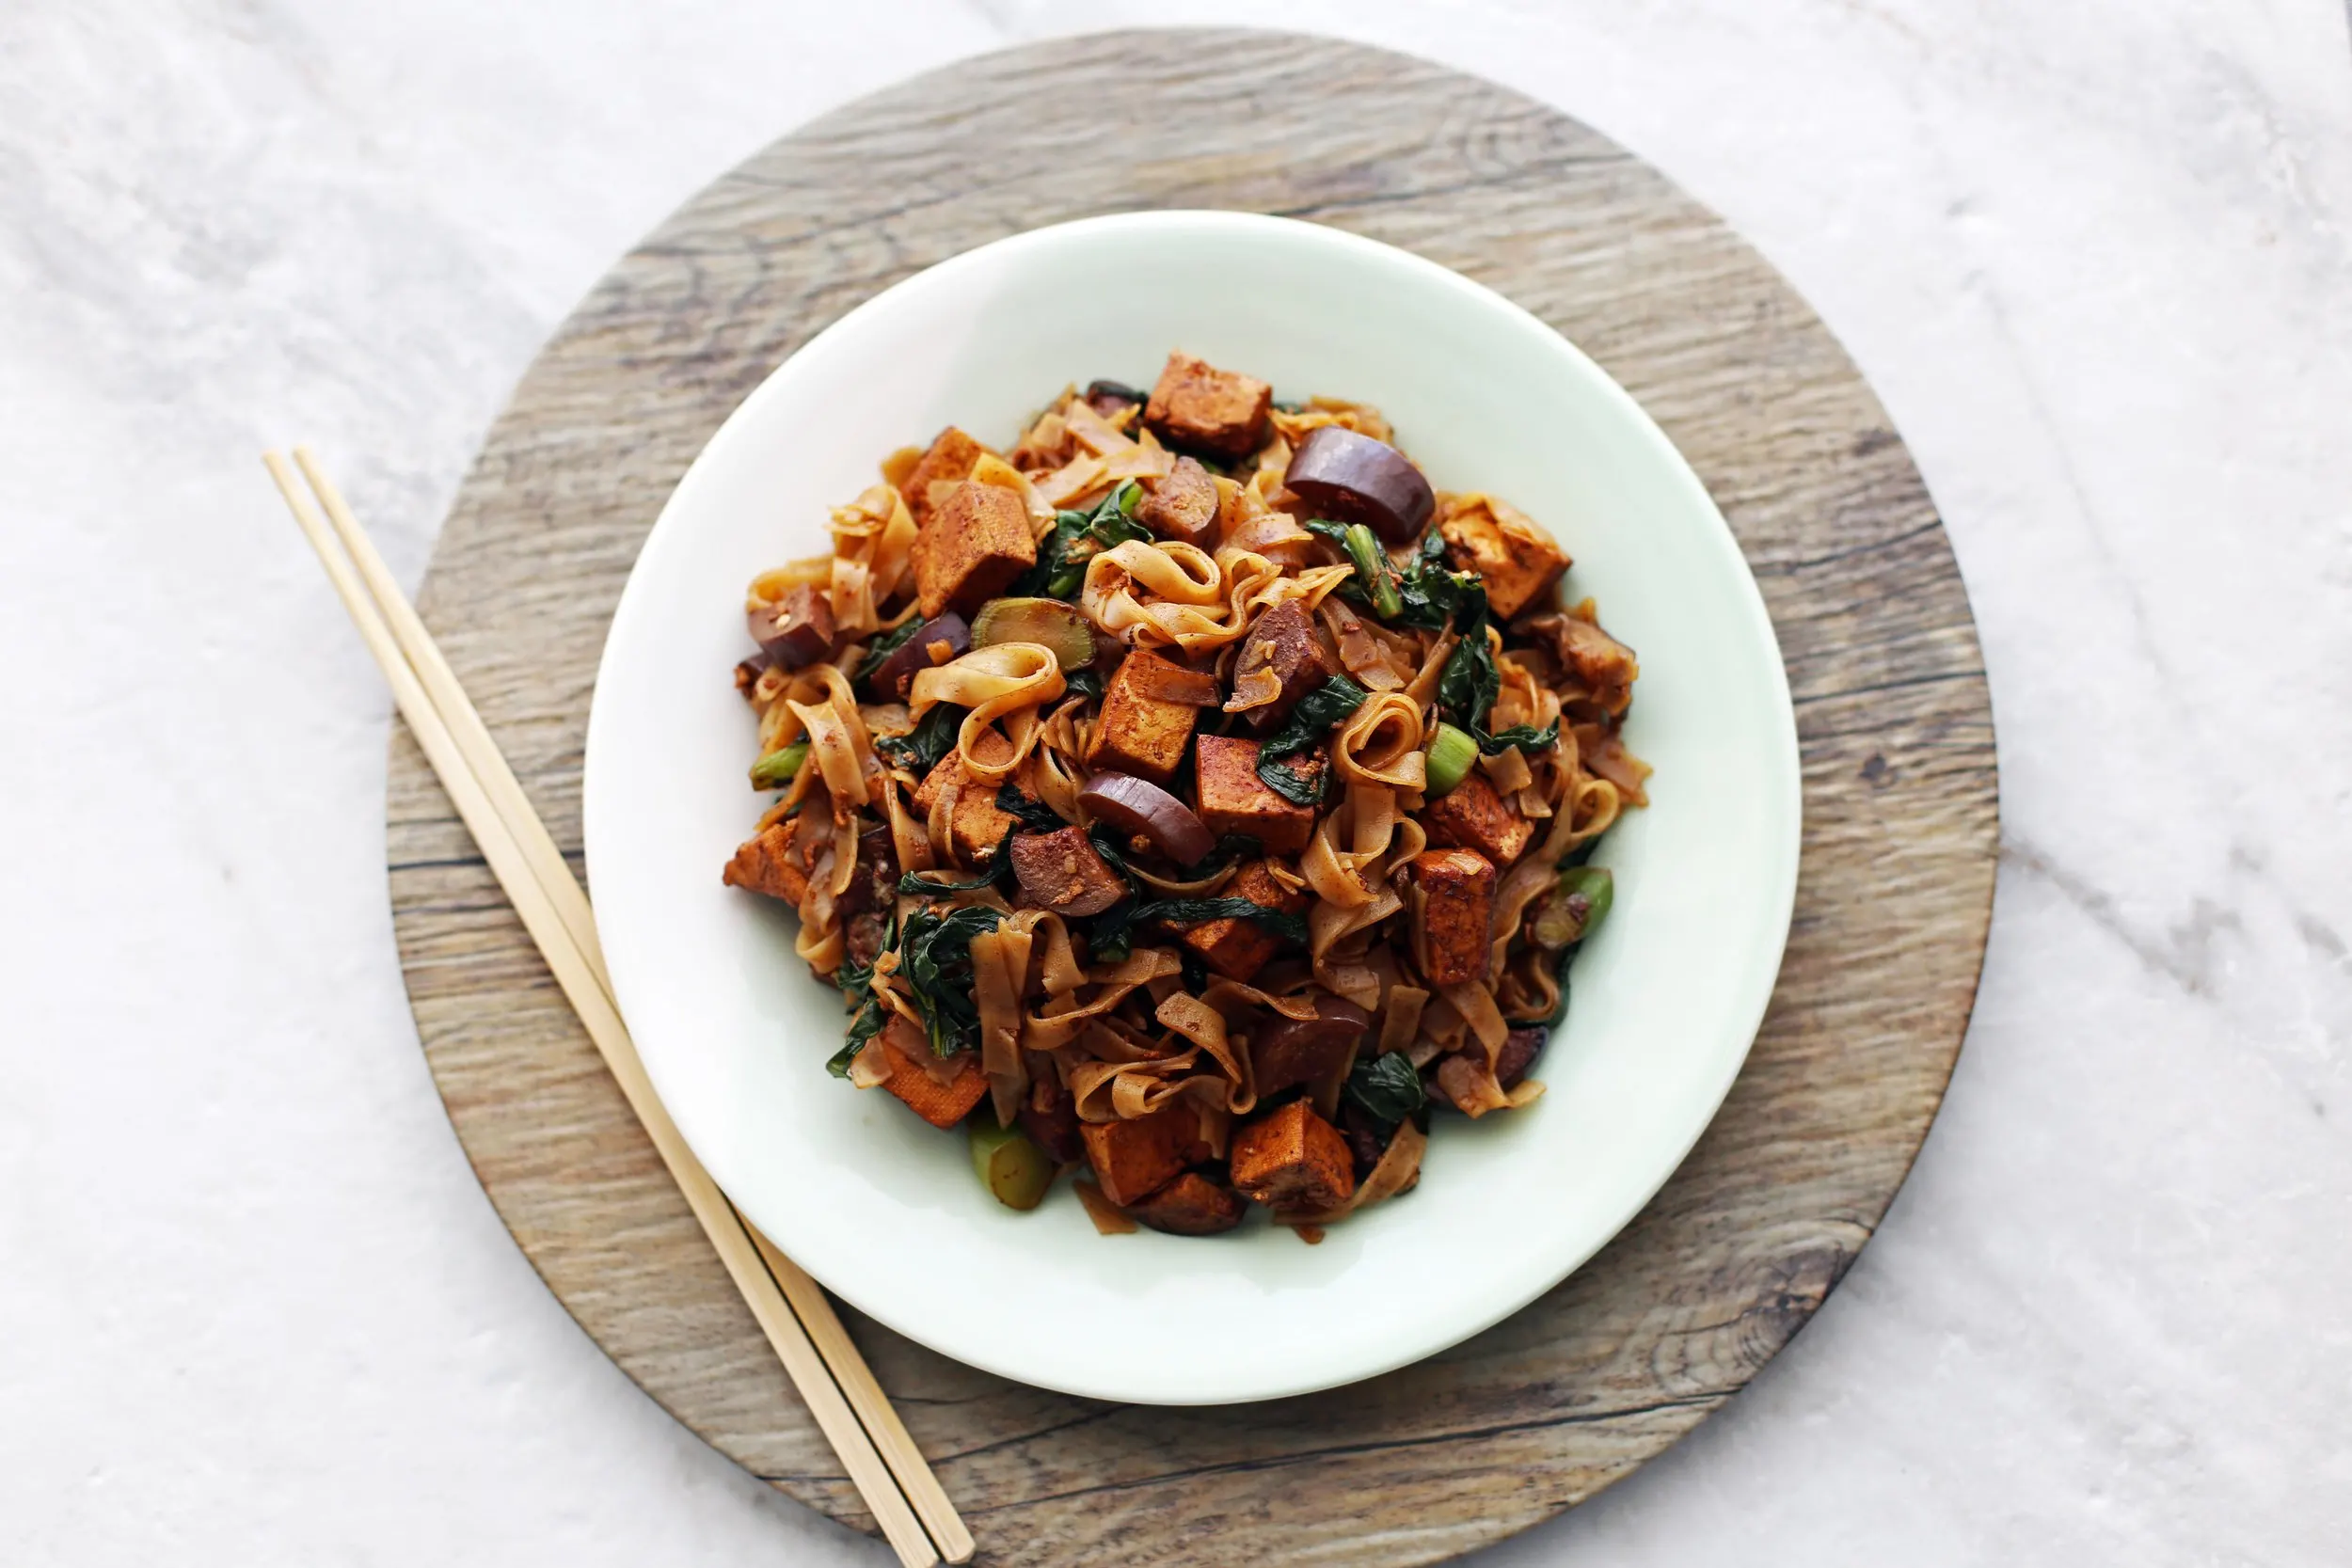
(1235, 948)
(1506, 547)
(1291, 1160)
(941, 1104)
(1197, 406)
(1192, 1205)
(1183, 507)
(1282, 640)
(1455, 922)
(1472, 816)
(971, 549)
(767, 864)
(950, 459)
(1233, 799)
(1063, 872)
(1139, 733)
(1133, 1160)
(977, 826)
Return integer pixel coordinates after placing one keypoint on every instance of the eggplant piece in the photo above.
(910, 658)
(1521, 1048)
(1134, 805)
(1351, 477)
(1063, 872)
(1293, 1051)
(1107, 398)
(796, 630)
(1185, 506)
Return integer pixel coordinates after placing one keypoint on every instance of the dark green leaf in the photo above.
(934, 736)
(1527, 738)
(1385, 1088)
(891, 642)
(1194, 911)
(863, 1027)
(1313, 719)
(1229, 847)
(1036, 815)
(1088, 681)
(936, 958)
(916, 884)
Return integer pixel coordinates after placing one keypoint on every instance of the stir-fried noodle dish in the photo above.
(1186, 796)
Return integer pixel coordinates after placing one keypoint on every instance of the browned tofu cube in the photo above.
(1506, 547)
(1133, 1160)
(1233, 799)
(1062, 871)
(767, 864)
(1192, 1205)
(1236, 948)
(1283, 641)
(970, 549)
(1453, 928)
(1292, 1160)
(950, 459)
(1139, 733)
(1198, 406)
(977, 826)
(1472, 816)
(1185, 506)
(941, 1104)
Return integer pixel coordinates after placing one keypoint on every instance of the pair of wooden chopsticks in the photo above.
(850, 1406)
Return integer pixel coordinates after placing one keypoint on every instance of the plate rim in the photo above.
(1776, 903)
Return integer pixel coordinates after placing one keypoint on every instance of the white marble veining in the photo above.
(253, 1308)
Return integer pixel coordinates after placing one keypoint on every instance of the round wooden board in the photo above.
(1769, 1209)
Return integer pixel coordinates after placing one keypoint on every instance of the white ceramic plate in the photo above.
(885, 1210)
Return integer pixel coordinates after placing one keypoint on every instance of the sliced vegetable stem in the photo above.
(776, 769)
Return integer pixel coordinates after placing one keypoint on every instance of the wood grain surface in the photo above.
(1769, 1209)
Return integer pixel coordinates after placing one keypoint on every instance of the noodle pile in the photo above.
(1389, 933)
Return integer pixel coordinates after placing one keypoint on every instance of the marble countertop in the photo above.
(253, 1308)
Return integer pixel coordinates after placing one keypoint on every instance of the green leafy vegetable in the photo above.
(936, 958)
(1085, 683)
(856, 981)
(1074, 539)
(1194, 911)
(1527, 738)
(890, 642)
(1317, 712)
(1036, 815)
(775, 769)
(999, 870)
(863, 1027)
(934, 736)
(1229, 847)
(1385, 1088)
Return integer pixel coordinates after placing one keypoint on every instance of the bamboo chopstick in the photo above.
(850, 1406)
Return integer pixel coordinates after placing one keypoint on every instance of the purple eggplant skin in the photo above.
(1351, 477)
(913, 656)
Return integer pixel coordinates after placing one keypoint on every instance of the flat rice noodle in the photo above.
(1471, 1085)
(1525, 882)
(770, 586)
(1064, 1018)
(1109, 1219)
(1476, 1005)
(1197, 887)
(1359, 650)
(1507, 771)
(1182, 598)
(1381, 743)
(1005, 682)
(993, 469)
(870, 1067)
(1400, 1017)
(873, 551)
(1605, 757)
